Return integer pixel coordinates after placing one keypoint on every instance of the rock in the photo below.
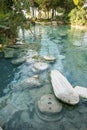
(19, 43)
(18, 61)
(32, 54)
(81, 91)
(1, 128)
(39, 59)
(9, 53)
(41, 66)
(29, 61)
(49, 104)
(77, 43)
(48, 108)
(30, 83)
(63, 89)
(63, 35)
(36, 76)
(49, 58)
(25, 116)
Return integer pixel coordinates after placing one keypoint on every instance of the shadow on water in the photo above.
(18, 107)
(6, 74)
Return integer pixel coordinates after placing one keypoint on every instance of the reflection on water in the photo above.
(18, 109)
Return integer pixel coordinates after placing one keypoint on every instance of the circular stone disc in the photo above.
(48, 108)
(49, 104)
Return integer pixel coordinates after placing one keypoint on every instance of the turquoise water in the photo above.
(18, 109)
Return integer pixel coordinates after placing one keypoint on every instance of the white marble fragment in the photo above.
(63, 89)
(41, 66)
(82, 91)
(49, 58)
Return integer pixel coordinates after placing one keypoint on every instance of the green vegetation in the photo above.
(79, 3)
(78, 17)
(12, 16)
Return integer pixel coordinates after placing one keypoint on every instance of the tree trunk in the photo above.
(52, 13)
(33, 11)
(48, 14)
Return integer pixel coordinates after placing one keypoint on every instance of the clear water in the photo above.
(18, 109)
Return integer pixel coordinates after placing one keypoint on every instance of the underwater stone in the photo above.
(8, 52)
(49, 58)
(25, 116)
(63, 89)
(18, 61)
(77, 43)
(36, 76)
(29, 61)
(63, 35)
(41, 66)
(1, 128)
(32, 54)
(19, 43)
(49, 104)
(82, 91)
(30, 83)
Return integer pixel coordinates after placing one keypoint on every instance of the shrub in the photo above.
(78, 17)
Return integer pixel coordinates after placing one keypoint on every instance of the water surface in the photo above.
(18, 109)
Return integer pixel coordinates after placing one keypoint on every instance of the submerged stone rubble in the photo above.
(36, 99)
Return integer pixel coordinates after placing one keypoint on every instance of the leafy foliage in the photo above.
(12, 19)
(47, 5)
(79, 3)
(12, 16)
(78, 17)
